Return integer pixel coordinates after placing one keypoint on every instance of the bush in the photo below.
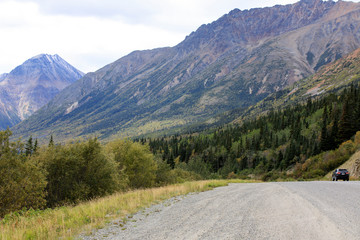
(164, 173)
(315, 173)
(231, 175)
(270, 176)
(77, 172)
(182, 175)
(22, 182)
(136, 161)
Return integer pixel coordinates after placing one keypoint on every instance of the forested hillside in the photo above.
(276, 142)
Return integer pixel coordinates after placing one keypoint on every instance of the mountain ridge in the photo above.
(215, 69)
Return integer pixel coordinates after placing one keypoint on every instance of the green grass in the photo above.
(68, 222)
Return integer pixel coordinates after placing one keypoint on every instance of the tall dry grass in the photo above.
(68, 222)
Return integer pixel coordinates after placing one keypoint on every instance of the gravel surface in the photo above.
(288, 210)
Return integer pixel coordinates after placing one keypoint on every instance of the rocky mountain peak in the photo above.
(311, 2)
(248, 26)
(46, 58)
(33, 84)
(50, 67)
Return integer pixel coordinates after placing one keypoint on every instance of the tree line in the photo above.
(274, 142)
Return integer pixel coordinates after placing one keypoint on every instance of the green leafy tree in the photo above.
(78, 171)
(22, 183)
(136, 161)
(164, 172)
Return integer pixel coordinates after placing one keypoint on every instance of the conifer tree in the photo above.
(324, 138)
(334, 132)
(35, 146)
(29, 147)
(51, 142)
(346, 122)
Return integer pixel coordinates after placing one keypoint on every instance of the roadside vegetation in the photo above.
(60, 190)
(68, 221)
(66, 174)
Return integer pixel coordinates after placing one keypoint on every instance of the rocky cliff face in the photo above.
(251, 26)
(231, 63)
(31, 85)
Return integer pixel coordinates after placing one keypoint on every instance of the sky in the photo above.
(92, 33)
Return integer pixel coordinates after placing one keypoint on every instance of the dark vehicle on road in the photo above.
(340, 174)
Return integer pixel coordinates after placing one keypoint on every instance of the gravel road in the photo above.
(288, 210)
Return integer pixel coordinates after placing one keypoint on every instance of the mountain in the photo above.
(331, 78)
(231, 63)
(3, 76)
(31, 85)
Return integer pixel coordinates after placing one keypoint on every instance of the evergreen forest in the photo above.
(279, 144)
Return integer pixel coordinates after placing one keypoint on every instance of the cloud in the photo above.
(26, 32)
(134, 11)
(92, 33)
(180, 14)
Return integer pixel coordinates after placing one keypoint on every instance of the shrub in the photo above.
(77, 172)
(231, 175)
(22, 183)
(316, 173)
(182, 175)
(270, 176)
(136, 161)
(164, 173)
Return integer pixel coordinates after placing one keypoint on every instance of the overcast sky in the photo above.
(92, 33)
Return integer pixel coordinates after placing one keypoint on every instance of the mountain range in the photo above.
(31, 85)
(233, 62)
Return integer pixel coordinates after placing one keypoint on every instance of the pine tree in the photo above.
(171, 161)
(346, 122)
(334, 132)
(35, 146)
(29, 147)
(279, 159)
(51, 142)
(324, 138)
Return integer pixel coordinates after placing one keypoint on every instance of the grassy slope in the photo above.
(68, 222)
